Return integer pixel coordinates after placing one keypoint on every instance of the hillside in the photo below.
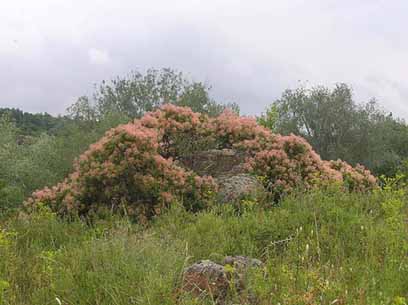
(30, 124)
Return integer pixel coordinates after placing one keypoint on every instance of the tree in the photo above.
(339, 128)
(326, 118)
(269, 118)
(82, 110)
(138, 93)
(29, 124)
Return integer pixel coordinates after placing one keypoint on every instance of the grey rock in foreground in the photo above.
(208, 279)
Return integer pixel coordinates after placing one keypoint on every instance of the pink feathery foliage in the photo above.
(357, 178)
(132, 169)
(233, 131)
(180, 130)
(124, 172)
(291, 163)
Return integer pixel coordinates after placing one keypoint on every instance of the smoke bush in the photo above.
(134, 168)
(124, 172)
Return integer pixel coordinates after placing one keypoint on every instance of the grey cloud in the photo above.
(51, 52)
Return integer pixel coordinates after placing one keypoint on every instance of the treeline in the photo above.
(33, 124)
(38, 149)
(340, 128)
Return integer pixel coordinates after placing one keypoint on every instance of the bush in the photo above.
(134, 168)
(124, 172)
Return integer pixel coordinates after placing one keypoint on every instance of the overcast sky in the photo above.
(52, 51)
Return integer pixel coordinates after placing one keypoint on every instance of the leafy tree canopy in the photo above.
(339, 128)
(138, 93)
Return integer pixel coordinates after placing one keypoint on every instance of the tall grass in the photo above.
(324, 247)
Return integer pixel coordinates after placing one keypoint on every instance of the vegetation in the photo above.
(326, 232)
(133, 168)
(33, 124)
(319, 248)
(138, 93)
(339, 128)
(33, 156)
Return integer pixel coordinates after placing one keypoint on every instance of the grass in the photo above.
(324, 247)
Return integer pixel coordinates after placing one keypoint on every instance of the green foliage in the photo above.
(28, 163)
(324, 247)
(138, 93)
(269, 119)
(196, 96)
(82, 110)
(10, 192)
(339, 128)
(30, 124)
(27, 166)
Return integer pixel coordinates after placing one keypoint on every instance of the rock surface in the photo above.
(227, 167)
(206, 278)
(233, 188)
(242, 262)
(215, 162)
